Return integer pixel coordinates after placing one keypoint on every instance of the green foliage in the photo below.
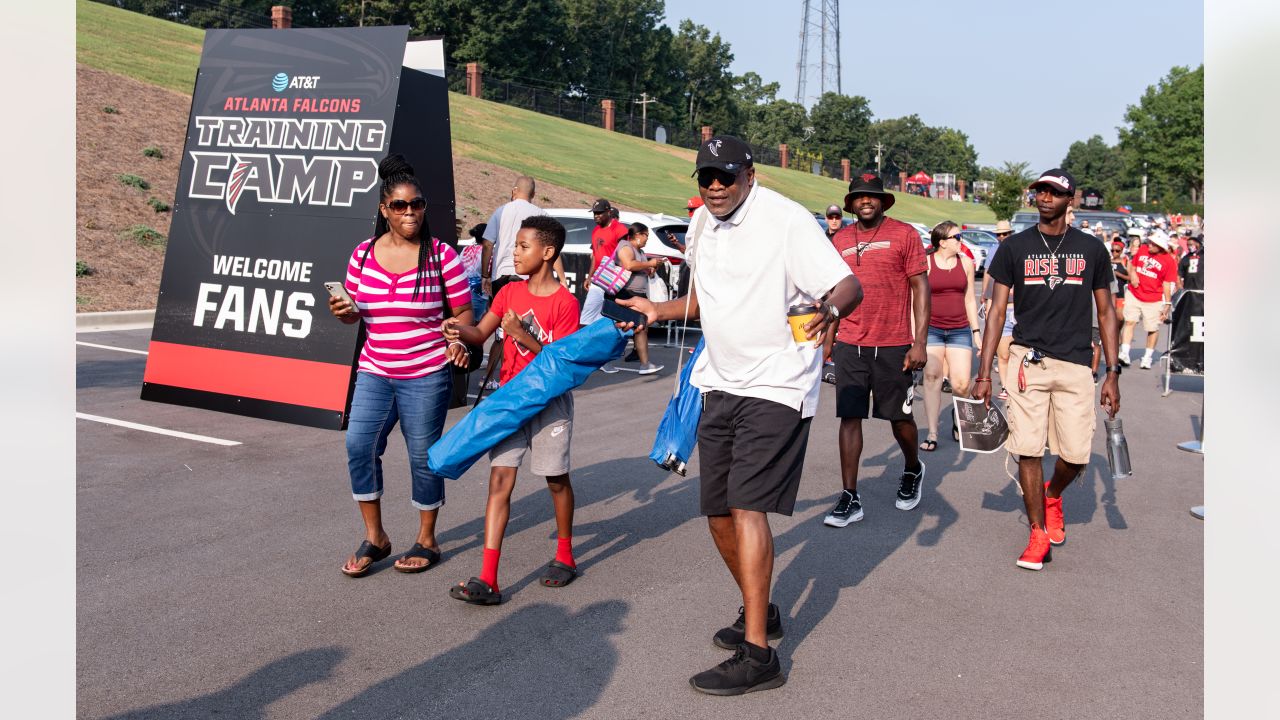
(840, 126)
(144, 48)
(1010, 184)
(110, 110)
(83, 269)
(768, 121)
(1096, 165)
(143, 235)
(133, 181)
(158, 205)
(153, 152)
(702, 62)
(910, 146)
(1163, 134)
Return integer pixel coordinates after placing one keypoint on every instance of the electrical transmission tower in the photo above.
(820, 30)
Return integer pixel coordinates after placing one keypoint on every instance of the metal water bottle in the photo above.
(1117, 449)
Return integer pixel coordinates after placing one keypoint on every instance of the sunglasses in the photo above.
(401, 206)
(1001, 235)
(706, 176)
(951, 237)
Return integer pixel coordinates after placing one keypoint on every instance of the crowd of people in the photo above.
(884, 308)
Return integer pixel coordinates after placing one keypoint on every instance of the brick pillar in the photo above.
(846, 171)
(902, 181)
(606, 111)
(784, 156)
(960, 189)
(473, 79)
(706, 133)
(281, 17)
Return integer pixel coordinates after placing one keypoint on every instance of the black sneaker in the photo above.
(731, 637)
(848, 509)
(909, 489)
(740, 674)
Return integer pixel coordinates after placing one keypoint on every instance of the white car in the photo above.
(578, 224)
(979, 252)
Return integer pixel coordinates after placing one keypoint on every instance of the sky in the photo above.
(1023, 80)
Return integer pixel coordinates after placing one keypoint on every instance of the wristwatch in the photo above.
(835, 311)
(1112, 368)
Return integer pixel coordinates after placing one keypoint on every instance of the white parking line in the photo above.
(111, 347)
(158, 431)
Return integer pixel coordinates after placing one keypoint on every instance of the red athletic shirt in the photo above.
(604, 240)
(546, 318)
(1151, 271)
(882, 259)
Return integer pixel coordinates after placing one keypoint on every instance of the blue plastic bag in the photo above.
(561, 366)
(678, 431)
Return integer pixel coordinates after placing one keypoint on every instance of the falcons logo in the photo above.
(1054, 281)
(235, 184)
(868, 177)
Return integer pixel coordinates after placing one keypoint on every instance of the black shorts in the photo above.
(751, 454)
(863, 372)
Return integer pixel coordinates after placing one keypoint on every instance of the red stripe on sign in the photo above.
(264, 377)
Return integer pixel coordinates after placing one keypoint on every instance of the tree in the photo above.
(840, 124)
(509, 38)
(702, 63)
(907, 144)
(1094, 164)
(768, 121)
(1011, 183)
(1164, 132)
(953, 153)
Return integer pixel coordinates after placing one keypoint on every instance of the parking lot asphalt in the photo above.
(208, 581)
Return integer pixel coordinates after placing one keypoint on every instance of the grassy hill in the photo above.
(631, 171)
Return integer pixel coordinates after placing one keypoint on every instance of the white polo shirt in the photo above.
(769, 255)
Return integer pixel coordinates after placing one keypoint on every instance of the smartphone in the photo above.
(337, 290)
(618, 313)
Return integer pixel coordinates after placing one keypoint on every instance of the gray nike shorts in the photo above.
(546, 434)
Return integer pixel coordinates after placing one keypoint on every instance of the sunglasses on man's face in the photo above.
(401, 206)
(1003, 235)
(707, 176)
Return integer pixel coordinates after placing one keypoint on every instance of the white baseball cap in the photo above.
(1159, 238)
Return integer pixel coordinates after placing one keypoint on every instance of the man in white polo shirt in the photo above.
(754, 254)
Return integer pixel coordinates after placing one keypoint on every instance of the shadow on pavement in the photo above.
(1080, 500)
(250, 697)
(540, 662)
(125, 372)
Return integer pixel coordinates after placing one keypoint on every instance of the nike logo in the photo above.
(557, 430)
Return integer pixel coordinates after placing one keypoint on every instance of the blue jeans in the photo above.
(479, 303)
(419, 405)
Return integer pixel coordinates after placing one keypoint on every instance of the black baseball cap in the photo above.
(724, 152)
(600, 206)
(1057, 179)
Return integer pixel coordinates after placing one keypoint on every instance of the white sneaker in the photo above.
(1146, 362)
(608, 369)
(491, 385)
(649, 368)
(1124, 359)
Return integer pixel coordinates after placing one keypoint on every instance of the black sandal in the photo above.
(367, 550)
(476, 592)
(929, 445)
(418, 551)
(558, 574)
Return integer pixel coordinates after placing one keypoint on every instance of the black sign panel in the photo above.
(278, 184)
(1186, 334)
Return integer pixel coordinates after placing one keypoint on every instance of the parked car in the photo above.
(578, 223)
(970, 238)
(1024, 219)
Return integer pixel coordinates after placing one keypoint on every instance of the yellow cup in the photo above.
(799, 316)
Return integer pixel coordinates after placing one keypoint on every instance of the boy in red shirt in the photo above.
(532, 314)
(1152, 274)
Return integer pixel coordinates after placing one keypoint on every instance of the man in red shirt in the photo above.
(604, 241)
(1152, 274)
(878, 346)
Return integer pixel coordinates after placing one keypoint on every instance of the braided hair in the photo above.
(396, 171)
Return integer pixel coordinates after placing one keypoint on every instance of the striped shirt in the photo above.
(403, 338)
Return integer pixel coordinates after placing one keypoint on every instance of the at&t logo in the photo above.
(281, 81)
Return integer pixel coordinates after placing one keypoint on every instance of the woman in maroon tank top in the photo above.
(953, 325)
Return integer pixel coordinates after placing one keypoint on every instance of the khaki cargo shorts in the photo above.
(1058, 405)
(1147, 312)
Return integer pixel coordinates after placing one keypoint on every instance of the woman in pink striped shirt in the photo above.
(400, 280)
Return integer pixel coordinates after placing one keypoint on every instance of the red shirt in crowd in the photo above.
(604, 240)
(547, 318)
(882, 259)
(1151, 271)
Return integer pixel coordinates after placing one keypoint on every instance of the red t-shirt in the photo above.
(546, 318)
(604, 240)
(882, 259)
(1151, 271)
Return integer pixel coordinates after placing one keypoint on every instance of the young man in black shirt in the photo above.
(1191, 266)
(1058, 273)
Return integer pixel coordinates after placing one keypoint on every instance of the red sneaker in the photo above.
(1037, 552)
(1053, 522)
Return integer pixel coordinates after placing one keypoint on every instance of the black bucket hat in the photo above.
(868, 183)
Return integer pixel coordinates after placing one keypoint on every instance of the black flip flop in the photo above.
(476, 592)
(371, 551)
(929, 445)
(419, 551)
(558, 574)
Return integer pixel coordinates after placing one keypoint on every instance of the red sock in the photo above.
(489, 570)
(564, 551)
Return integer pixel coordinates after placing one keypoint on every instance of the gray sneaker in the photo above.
(848, 509)
(608, 368)
(650, 368)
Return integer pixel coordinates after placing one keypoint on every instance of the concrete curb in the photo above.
(117, 320)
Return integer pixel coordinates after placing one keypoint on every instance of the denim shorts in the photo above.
(953, 338)
(419, 405)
